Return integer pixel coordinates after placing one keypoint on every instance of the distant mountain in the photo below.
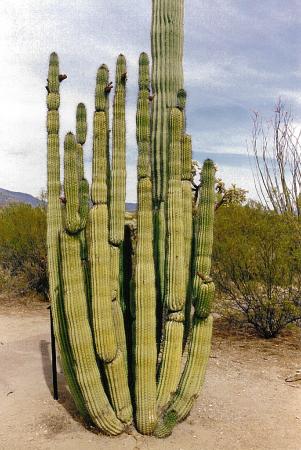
(131, 207)
(7, 197)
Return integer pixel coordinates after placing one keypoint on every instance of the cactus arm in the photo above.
(171, 359)
(204, 228)
(203, 291)
(99, 251)
(71, 185)
(100, 261)
(167, 79)
(81, 134)
(76, 307)
(54, 221)
(174, 286)
(84, 197)
(192, 378)
(118, 169)
(81, 124)
(116, 371)
(174, 292)
(117, 197)
(81, 339)
(145, 293)
(188, 227)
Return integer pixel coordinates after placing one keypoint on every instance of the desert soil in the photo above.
(246, 403)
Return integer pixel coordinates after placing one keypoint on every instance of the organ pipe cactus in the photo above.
(121, 350)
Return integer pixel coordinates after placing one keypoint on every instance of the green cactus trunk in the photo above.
(145, 287)
(117, 199)
(75, 303)
(167, 79)
(106, 329)
(203, 291)
(54, 221)
(174, 279)
(122, 305)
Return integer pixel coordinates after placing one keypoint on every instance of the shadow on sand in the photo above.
(65, 398)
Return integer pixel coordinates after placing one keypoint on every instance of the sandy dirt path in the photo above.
(245, 405)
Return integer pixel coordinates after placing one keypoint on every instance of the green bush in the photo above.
(23, 247)
(257, 267)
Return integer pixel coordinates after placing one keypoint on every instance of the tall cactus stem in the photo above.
(203, 290)
(204, 229)
(188, 227)
(86, 368)
(117, 197)
(118, 168)
(116, 371)
(102, 91)
(192, 378)
(167, 79)
(75, 303)
(104, 325)
(54, 225)
(174, 291)
(175, 283)
(145, 293)
(99, 250)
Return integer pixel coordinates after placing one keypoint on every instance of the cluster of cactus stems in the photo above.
(122, 340)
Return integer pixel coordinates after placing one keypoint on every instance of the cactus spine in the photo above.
(117, 343)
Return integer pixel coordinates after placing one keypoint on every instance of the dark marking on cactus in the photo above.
(109, 87)
(205, 278)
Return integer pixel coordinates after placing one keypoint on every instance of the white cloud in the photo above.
(224, 49)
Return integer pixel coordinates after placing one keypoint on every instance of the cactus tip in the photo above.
(53, 56)
(143, 58)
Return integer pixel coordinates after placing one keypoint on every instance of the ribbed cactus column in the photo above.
(188, 226)
(117, 198)
(186, 155)
(75, 303)
(167, 79)
(81, 134)
(175, 292)
(102, 315)
(145, 349)
(203, 291)
(54, 224)
(118, 168)
(99, 252)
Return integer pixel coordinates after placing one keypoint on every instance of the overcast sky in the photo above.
(240, 56)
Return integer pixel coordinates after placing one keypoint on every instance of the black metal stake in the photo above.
(53, 359)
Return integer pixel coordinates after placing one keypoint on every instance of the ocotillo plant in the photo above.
(121, 348)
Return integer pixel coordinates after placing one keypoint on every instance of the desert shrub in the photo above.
(257, 267)
(23, 247)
